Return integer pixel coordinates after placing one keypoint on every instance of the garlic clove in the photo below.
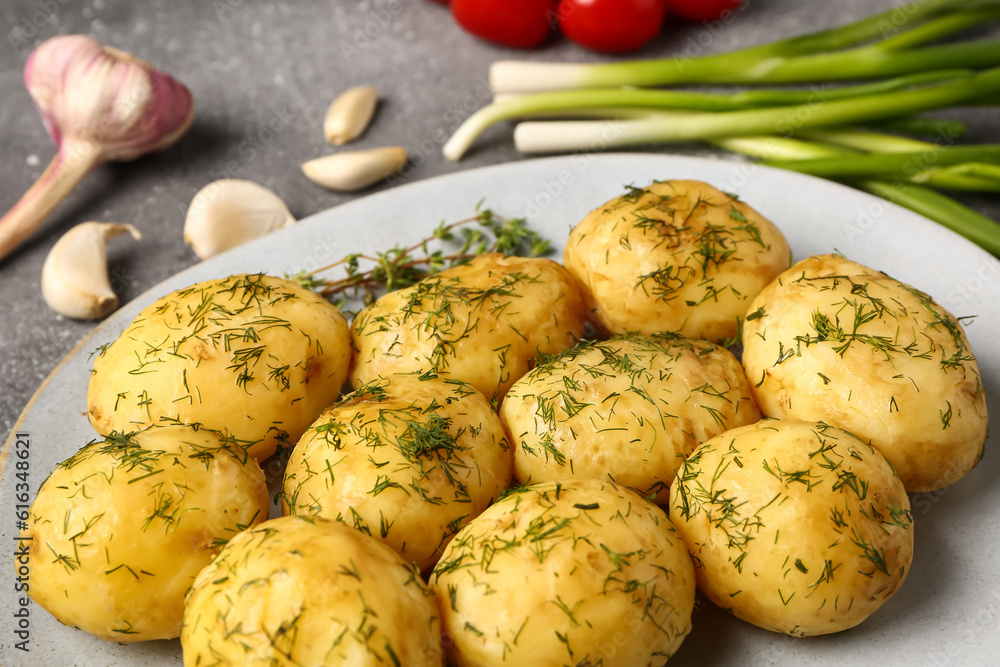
(75, 273)
(350, 114)
(355, 170)
(229, 212)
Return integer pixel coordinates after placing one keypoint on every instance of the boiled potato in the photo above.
(676, 256)
(575, 573)
(408, 460)
(119, 530)
(254, 356)
(310, 591)
(627, 409)
(832, 340)
(796, 527)
(482, 323)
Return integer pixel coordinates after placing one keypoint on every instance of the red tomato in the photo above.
(611, 25)
(520, 23)
(702, 10)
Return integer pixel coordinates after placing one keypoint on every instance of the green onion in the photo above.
(816, 57)
(607, 100)
(780, 148)
(843, 163)
(970, 177)
(562, 136)
(950, 172)
(934, 127)
(861, 140)
(893, 165)
(930, 204)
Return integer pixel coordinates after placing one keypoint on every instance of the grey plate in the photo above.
(947, 611)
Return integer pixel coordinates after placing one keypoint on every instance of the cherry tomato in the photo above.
(520, 23)
(702, 10)
(611, 25)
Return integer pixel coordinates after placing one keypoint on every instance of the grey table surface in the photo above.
(262, 75)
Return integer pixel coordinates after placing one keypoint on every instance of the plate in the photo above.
(946, 613)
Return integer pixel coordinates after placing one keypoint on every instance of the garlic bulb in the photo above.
(75, 273)
(99, 104)
(230, 212)
(110, 100)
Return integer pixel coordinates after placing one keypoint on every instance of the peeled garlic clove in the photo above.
(355, 170)
(350, 114)
(75, 274)
(230, 212)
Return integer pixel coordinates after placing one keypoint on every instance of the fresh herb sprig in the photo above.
(403, 266)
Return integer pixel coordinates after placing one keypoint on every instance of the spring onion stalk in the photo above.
(934, 127)
(565, 136)
(879, 26)
(969, 177)
(950, 173)
(895, 165)
(938, 29)
(823, 56)
(868, 62)
(864, 140)
(787, 153)
(574, 101)
(978, 170)
(780, 148)
(943, 210)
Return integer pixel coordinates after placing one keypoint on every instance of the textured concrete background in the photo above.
(256, 65)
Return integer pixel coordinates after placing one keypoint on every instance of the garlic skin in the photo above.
(75, 273)
(349, 115)
(355, 170)
(101, 96)
(229, 212)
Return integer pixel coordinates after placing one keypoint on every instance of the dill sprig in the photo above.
(403, 266)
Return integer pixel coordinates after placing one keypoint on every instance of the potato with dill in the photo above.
(482, 322)
(309, 591)
(676, 256)
(575, 573)
(255, 356)
(627, 409)
(119, 530)
(408, 460)
(833, 340)
(796, 527)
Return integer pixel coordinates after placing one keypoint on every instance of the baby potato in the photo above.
(831, 340)
(796, 527)
(628, 409)
(119, 530)
(575, 573)
(406, 459)
(309, 591)
(676, 256)
(481, 322)
(254, 356)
